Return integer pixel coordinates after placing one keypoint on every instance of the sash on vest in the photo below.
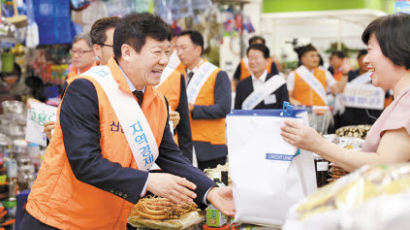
(198, 80)
(311, 80)
(246, 62)
(136, 128)
(362, 79)
(270, 86)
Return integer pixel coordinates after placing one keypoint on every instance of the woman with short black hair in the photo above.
(388, 141)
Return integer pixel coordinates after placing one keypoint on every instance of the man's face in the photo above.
(148, 64)
(82, 54)
(336, 62)
(188, 52)
(257, 62)
(107, 50)
(311, 59)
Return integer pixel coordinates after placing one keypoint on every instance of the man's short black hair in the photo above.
(195, 37)
(134, 28)
(97, 32)
(393, 35)
(260, 47)
(304, 49)
(253, 39)
(361, 53)
(339, 54)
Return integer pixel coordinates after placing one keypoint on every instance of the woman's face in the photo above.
(382, 68)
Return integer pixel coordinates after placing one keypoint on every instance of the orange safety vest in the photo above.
(171, 89)
(74, 70)
(58, 199)
(338, 74)
(304, 93)
(208, 130)
(245, 72)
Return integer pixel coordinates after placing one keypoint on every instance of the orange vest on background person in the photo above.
(245, 72)
(58, 199)
(208, 130)
(74, 71)
(303, 93)
(338, 74)
(171, 89)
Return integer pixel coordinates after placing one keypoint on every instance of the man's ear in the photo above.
(97, 50)
(126, 51)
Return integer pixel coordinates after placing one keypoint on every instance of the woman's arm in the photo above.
(394, 147)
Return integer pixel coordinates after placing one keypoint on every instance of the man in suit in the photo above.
(112, 126)
(102, 36)
(242, 70)
(209, 100)
(261, 90)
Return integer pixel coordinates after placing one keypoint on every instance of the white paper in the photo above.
(39, 114)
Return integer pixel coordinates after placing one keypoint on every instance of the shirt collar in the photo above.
(262, 78)
(196, 67)
(132, 87)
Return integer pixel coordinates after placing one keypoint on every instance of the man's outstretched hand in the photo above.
(222, 199)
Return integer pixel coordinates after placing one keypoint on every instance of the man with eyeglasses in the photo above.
(82, 55)
(102, 36)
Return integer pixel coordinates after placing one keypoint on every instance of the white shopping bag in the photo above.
(267, 175)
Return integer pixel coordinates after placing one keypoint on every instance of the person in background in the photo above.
(209, 100)
(388, 141)
(249, 91)
(173, 87)
(337, 67)
(92, 176)
(242, 70)
(308, 84)
(102, 36)
(358, 116)
(83, 57)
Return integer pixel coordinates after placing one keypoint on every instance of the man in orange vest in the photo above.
(242, 71)
(308, 84)
(209, 98)
(82, 52)
(102, 36)
(173, 87)
(112, 126)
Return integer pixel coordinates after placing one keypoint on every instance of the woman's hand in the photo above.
(301, 136)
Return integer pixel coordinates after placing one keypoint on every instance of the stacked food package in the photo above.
(373, 197)
(161, 213)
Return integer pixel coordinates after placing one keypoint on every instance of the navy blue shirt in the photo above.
(245, 88)
(79, 119)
